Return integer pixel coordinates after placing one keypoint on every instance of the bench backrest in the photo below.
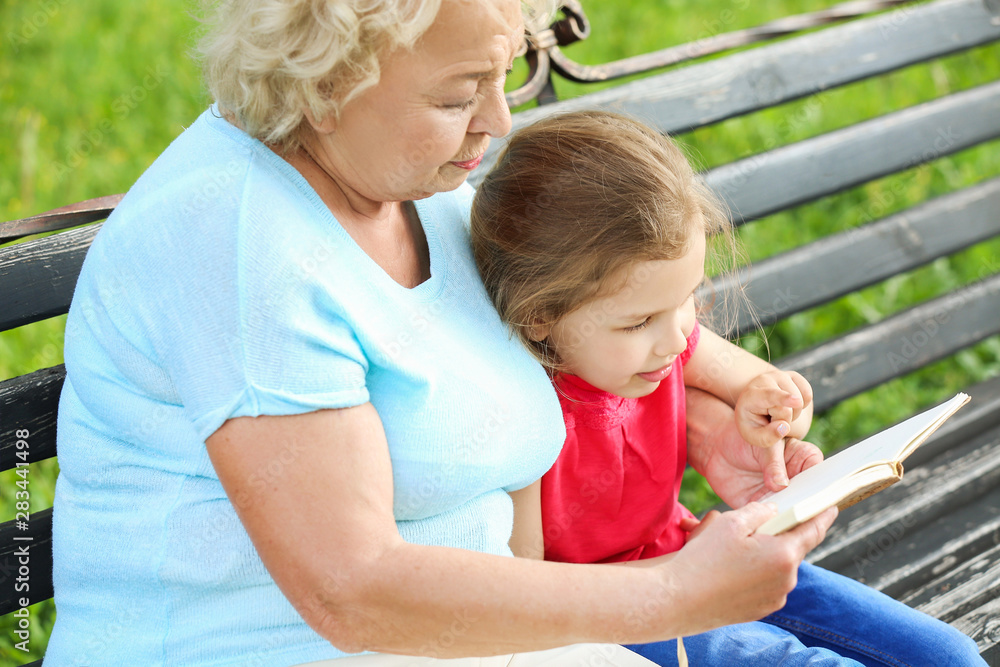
(788, 176)
(37, 276)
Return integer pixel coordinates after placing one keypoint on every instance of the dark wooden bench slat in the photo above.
(30, 402)
(982, 414)
(37, 277)
(706, 93)
(906, 341)
(837, 265)
(863, 543)
(695, 96)
(808, 170)
(960, 590)
(60, 218)
(40, 555)
(951, 538)
(858, 523)
(983, 625)
(710, 45)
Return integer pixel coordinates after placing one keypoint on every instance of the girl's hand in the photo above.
(769, 405)
(735, 470)
(694, 526)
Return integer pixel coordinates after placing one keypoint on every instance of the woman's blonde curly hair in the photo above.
(267, 62)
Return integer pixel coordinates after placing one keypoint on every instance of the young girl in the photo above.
(590, 235)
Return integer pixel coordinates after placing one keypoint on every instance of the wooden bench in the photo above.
(932, 540)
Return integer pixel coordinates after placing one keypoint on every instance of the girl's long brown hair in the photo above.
(572, 201)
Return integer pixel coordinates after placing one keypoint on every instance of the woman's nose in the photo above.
(493, 115)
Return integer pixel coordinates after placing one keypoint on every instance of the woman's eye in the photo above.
(461, 106)
(637, 327)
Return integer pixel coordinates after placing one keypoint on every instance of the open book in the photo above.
(857, 472)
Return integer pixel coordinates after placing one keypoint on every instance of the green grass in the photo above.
(91, 93)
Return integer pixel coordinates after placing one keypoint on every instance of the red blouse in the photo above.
(612, 493)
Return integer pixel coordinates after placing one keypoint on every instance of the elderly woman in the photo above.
(292, 424)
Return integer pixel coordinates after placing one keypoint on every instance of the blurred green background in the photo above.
(91, 93)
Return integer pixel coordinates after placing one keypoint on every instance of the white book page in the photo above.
(883, 446)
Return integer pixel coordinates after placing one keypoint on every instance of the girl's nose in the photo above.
(671, 342)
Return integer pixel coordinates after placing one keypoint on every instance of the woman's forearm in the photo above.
(448, 602)
(442, 602)
(710, 425)
(324, 528)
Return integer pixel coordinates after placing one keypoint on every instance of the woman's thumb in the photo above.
(775, 474)
(753, 515)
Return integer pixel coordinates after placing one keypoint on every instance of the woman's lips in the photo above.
(657, 375)
(469, 165)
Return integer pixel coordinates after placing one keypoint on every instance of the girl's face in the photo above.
(626, 343)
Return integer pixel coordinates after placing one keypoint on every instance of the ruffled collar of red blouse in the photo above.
(585, 405)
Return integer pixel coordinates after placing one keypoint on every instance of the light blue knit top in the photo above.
(223, 287)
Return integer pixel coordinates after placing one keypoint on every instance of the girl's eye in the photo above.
(637, 327)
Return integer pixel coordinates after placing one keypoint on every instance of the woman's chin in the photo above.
(448, 178)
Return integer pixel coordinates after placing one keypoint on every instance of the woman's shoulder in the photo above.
(200, 191)
(205, 220)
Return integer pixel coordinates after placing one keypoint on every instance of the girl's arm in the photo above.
(323, 526)
(526, 539)
(758, 389)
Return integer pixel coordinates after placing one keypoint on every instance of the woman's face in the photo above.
(426, 124)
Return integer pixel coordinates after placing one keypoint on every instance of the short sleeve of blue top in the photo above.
(223, 287)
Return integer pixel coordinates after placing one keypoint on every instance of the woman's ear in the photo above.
(326, 125)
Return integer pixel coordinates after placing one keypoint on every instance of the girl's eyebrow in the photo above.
(643, 316)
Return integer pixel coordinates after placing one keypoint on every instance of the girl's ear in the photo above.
(539, 331)
(322, 126)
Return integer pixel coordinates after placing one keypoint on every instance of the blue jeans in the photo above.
(828, 619)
